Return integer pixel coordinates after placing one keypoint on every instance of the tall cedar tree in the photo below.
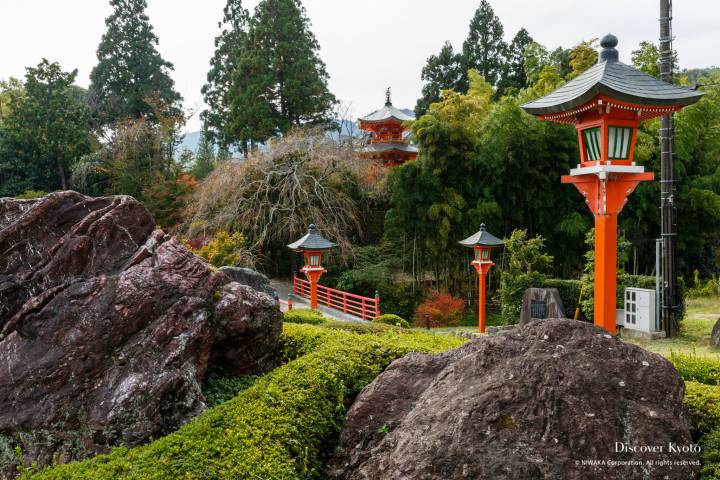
(228, 50)
(444, 71)
(131, 79)
(485, 50)
(280, 81)
(45, 132)
(515, 76)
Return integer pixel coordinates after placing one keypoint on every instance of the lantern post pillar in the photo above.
(482, 268)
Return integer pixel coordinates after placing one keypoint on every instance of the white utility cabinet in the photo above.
(639, 309)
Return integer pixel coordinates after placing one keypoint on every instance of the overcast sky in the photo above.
(366, 44)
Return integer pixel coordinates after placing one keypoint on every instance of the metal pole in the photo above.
(667, 181)
(658, 277)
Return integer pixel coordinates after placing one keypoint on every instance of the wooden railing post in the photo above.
(344, 302)
(377, 304)
(289, 303)
(363, 308)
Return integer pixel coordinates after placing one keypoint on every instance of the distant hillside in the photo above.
(191, 140)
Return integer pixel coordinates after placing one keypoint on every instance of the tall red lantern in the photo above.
(606, 104)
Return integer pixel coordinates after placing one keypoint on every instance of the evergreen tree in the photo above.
(45, 131)
(228, 50)
(485, 50)
(444, 71)
(205, 156)
(131, 79)
(280, 81)
(515, 76)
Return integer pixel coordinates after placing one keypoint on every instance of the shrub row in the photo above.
(696, 368)
(310, 317)
(394, 320)
(284, 426)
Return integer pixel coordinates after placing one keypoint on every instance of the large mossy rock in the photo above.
(107, 327)
(541, 401)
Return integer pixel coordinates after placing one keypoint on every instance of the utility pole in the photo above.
(670, 300)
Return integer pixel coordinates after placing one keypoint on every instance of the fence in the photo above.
(364, 307)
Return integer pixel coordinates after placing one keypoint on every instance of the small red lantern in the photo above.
(481, 243)
(313, 247)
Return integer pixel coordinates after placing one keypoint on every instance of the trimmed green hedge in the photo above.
(394, 320)
(284, 426)
(703, 403)
(710, 456)
(310, 317)
(696, 368)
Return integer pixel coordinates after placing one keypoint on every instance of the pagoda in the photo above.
(387, 137)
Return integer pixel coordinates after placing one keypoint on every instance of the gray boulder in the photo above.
(251, 278)
(715, 335)
(552, 399)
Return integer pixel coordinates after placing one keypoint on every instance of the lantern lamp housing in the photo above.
(313, 246)
(481, 243)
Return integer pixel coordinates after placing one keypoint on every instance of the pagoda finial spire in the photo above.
(387, 97)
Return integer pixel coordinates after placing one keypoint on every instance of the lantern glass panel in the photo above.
(314, 260)
(485, 254)
(619, 139)
(591, 137)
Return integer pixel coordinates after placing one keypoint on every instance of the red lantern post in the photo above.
(606, 104)
(313, 246)
(481, 243)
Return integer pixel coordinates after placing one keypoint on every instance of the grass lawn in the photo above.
(695, 329)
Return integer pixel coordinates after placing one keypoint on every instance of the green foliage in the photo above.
(310, 317)
(526, 255)
(583, 56)
(279, 81)
(283, 427)
(218, 388)
(484, 49)
(30, 194)
(375, 270)
(205, 158)
(696, 368)
(444, 71)
(167, 199)
(703, 403)
(710, 455)
(217, 91)
(45, 131)
(515, 78)
(390, 319)
(225, 249)
(131, 79)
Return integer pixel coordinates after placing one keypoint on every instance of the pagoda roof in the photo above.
(388, 112)
(482, 238)
(390, 146)
(614, 79)
(312, 241)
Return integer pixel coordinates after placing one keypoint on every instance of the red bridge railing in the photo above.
(364, 307)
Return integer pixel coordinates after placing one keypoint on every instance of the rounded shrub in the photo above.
(394, 320)
(310, 317)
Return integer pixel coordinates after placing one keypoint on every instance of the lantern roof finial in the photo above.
(609, 53)
(388, 102)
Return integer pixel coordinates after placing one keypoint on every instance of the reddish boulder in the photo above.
(551, 399)
(107, 327)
